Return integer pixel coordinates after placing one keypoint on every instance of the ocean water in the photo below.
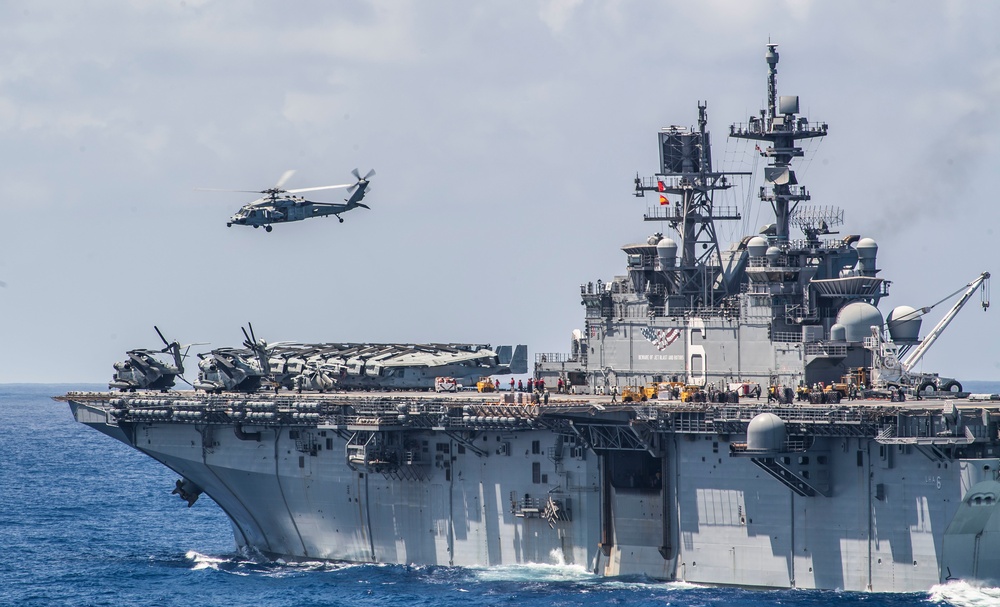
(84, 520)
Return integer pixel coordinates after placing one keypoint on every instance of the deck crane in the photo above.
(887, 368)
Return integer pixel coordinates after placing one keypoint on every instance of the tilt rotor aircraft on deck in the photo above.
(278, 205)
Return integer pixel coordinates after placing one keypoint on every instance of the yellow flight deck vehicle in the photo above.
(691, 393)
(485, 384)
(633, 394)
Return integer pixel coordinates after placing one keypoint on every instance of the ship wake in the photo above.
(253, 565)
(964, 594)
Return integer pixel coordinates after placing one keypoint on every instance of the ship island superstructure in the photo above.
(770, 310)
(881, 479)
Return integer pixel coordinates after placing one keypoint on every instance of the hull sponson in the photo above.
(876, 497)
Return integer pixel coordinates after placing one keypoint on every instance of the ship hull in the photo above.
(857, 514)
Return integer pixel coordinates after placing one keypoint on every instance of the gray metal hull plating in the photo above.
(867, 515)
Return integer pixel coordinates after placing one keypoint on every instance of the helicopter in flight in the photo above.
(143, 370)
(278, 205)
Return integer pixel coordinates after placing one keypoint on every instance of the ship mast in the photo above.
(780, 127)
(685, 184)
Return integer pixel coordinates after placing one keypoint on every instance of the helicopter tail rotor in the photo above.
(357, 175)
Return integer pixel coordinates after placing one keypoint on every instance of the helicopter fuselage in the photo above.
(143, 371)
(265, 212)
(280, 206)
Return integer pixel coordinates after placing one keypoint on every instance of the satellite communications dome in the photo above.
(766, 432)
(666, 251)
(903, 323)
(867, 251)
(858, 318)
(772, 254)
(757, 246)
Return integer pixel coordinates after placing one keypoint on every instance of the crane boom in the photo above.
(919, 352)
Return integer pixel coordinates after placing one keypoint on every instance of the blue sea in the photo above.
(84, 520)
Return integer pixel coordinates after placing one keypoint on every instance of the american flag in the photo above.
(661, 338)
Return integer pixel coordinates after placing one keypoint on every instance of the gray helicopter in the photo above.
(233, 369)
(278, 205)
(143, 370)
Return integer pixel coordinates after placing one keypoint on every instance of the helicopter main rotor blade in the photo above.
(284, 177)
(224, 190)
(322, 187)
(165, 342)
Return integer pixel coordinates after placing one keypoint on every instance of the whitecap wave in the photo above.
(647, 585)
(533, 572)
(964, 594)
(243, 564)
(204, 561)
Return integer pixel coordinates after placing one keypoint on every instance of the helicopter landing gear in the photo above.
(267, 228)
(229, 225)
(340, 218)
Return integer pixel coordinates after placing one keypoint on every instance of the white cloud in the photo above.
(499, 131)
(557, 13)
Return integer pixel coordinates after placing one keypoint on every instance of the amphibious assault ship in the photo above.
(848, 470)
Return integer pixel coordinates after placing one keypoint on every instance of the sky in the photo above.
(505, 136)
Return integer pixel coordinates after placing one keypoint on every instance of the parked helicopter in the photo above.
(235, 370)
(278, 205)
(144, 371)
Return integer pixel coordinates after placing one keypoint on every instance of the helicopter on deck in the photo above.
(278, 205)
(144, 370)
(235, 370)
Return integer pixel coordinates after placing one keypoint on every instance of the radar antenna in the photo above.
(816, 221)
(780, 126)
(685, 184)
